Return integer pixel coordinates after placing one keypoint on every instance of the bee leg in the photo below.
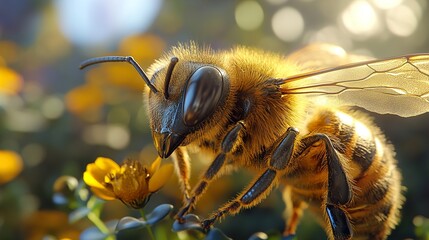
(183, 169)
(294, 211)
(252, 196)
(213, 170)
(263, 185)
(340, 223)
(339, 190)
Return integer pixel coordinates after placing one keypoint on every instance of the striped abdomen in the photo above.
(370, 167)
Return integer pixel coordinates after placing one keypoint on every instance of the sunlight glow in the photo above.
(93, 22)
(401, 20)
(287, 24)
(362, 130)
(386, 4)
(360, 19)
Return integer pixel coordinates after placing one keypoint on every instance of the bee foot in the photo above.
(188, 222)
(207, 224)
(184, 210)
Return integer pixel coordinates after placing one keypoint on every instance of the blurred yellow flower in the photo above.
(10, 81)
(84, 98)
(54, 225)
(132, 182)
(11, 165)
(144, 48)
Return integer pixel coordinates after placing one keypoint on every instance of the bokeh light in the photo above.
(249, 15)
(386, 4)
(331, 34)
(276, 2)
(287, 24)
(93, 22)
(113, 135)
(25, 120)
(34, 154)
(360, 19)
(401, 20)
(53, 107)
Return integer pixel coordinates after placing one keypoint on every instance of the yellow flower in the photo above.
(132, 183)
(10, 81)
(11, 165)
(85, 98)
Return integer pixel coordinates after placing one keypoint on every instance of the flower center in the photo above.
(129, 183)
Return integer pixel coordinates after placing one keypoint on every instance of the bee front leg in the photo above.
(183, 169)
(263, 185)
(213, 171)
(339, 189)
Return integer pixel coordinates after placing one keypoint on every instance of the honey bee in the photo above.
(290, 119)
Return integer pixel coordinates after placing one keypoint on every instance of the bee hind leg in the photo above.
(339, 189)
(340, 224)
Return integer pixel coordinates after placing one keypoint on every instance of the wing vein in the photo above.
(398, 85)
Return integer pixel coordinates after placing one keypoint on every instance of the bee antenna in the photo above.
(170, 68)
(128, 59)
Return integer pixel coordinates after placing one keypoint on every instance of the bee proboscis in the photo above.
(290, 119)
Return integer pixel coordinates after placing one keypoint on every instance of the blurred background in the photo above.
(55, 119)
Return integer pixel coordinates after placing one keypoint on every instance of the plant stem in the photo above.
(149, 229)
(100, 225)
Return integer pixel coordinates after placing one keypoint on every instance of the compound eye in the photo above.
(202, 94)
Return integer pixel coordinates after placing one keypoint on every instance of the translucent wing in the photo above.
(319, 56)
(397, 86)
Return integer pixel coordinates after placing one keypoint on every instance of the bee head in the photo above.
(182, 98)
(191, 93)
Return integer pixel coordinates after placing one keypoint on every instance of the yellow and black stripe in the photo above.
(370, 167)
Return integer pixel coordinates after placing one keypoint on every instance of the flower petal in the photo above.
(91, 181)
(103, 193)
(155, 165)
(97, 173)
(106, 164)
(160, 177)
